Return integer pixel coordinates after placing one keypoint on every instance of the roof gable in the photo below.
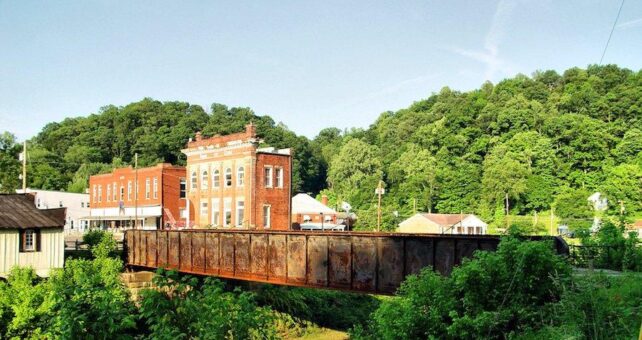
(17, 211)
(305, 204)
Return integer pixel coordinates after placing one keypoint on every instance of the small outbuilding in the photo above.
(444, 224)
(30, 237)
(309, 213)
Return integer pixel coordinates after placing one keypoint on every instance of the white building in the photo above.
(77, 207)
(444, 224)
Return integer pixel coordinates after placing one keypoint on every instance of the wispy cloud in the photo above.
(490, 54)
(630, 24)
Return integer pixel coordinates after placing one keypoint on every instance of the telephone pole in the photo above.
(136, 190)
(24, 167)
(379, 192)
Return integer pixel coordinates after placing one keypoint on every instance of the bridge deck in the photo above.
(355, 261)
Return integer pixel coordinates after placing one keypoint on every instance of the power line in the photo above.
(612, 29)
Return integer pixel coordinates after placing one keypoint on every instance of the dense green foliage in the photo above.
(521, 291)
(611, 248)
(184, 308)
(542, 142)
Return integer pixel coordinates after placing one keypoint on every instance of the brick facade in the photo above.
(227, 185)
(114, 202)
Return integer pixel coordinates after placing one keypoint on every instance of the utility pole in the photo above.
(24, 167)
(379, 192)
(507, 209)
(136, 190)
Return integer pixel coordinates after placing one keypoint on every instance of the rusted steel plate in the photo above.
(419, 254)
(198, 252)
(296, 259)
(364, 264)
(340, 258)
(129, 238)
(391, 264)
(227, 254)
(161, 247)
(186, 251)
(317, 261)
(259, 251)
(444, 255)
(151, 250)
(242, 255)
(174, 251)
(212, 253)
(137, 250)
(277, 258)
(465, 249)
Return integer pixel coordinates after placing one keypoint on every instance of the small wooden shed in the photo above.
(30, 237)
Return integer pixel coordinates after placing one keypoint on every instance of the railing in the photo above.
(364, 262)
(595, 256)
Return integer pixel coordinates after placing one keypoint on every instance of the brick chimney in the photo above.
(324, 199)
(250, 130)
(198, 136)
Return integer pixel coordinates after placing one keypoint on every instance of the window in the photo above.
(129, 190)
(216, 213)
(29, 240)
(228, 212)
(59, 204)
(216, 178)
(203, 207)
(182, 213)
(38, 203)
(108, 192)
(82, 204)
(95, 195)
(183, 185)
(88, 205)
(122, 193)
(267, 220)
(228, 177)
(113, 192)
(147, 188)
(268, 177)
(204, 179)
(100, 193)
(194, 180)
(240, 176)
(279, 177)
(155, 187)
(240, 212)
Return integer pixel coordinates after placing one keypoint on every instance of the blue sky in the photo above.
(309, 65)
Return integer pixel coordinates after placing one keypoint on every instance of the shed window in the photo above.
(29, 240)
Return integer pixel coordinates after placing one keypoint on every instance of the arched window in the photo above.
(204, 179)
(240, 176)
(216, 178)
(228, 177)
(194, 180)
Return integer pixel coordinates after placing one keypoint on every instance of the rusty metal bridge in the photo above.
(354, 261)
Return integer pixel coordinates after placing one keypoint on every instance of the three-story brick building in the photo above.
(234, 183)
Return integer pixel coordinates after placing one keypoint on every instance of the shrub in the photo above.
(93, 237)
(493, 295)
(184, 307)
(616, 250)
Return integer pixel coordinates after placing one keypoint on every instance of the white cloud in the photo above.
(630, 24)
(490, 54)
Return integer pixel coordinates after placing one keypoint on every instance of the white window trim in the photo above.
(155, 187)
(204, 179)
(229, 171)
(30, 233)
(239, 222)
(240, 176)
(269, 181)
(216, 178)
(267, 225)
(216, 209)
(279, 177)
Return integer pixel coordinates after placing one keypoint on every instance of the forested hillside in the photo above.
(543, 141)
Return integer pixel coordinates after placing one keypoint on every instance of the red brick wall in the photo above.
(168, 188)
(278, 198)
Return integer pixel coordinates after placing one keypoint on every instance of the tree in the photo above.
(9, 164)
(622, 186)
(355, 172)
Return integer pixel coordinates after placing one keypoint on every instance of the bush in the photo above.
(617, 251)
(491, 296)
(93, 237)
(184, 307)
(327, 308)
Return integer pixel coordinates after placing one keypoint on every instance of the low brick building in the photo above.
(152, 196)
(234, 183)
